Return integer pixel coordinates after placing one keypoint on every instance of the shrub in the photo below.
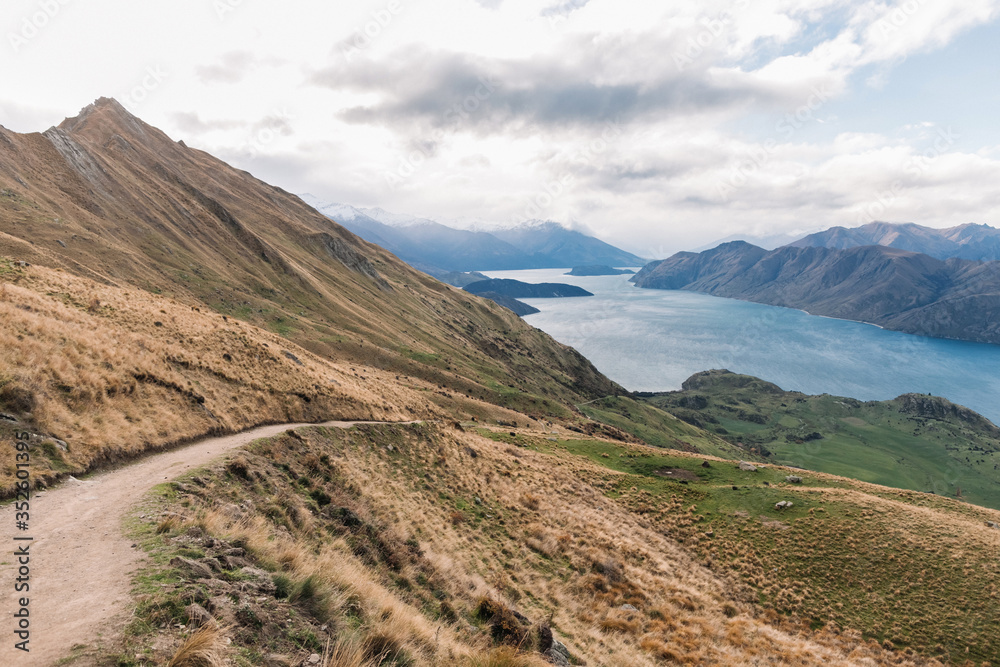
(531, 501)
(308, 594)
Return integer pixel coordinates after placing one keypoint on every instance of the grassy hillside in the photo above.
(434, 545)
(152, 293)
(913, 442)
(660, 428)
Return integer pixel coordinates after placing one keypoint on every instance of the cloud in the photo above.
(233, 67)
(191, 123)
(564, 8)
(461, 92)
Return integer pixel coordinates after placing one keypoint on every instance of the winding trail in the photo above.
(81, 564)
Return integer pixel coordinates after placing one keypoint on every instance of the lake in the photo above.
(653, 340)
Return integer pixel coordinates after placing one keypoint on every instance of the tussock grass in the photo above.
(418, 588)
(204, 648)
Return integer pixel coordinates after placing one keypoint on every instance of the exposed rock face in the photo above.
(894, 288)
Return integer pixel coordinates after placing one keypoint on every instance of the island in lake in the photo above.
(598, 270)
(516, 289)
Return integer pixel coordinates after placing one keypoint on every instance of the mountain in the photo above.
(151, 295)
(904, 443)
(551, 245)
(896, 289)
(520, 290)
(197, 299)
(424, 244)
(436, 248)
(766, 241)
(969, 241)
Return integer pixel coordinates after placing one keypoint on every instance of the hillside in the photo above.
(152, 294)
(444, 545)
(508, 516)
(915, 441)
(969, 241)
(893, 288)
(436, 248)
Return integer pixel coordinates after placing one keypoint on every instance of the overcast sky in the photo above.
(658, 126)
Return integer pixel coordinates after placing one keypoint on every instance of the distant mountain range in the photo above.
(437, 249)
(896, 289)
(970, 241)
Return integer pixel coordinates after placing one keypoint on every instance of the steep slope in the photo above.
(968, 241)
(893, 288)
(153, 229)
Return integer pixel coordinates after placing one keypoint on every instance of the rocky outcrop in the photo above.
(933, 407)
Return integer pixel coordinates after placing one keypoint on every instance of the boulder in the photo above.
(198, 615)
(258, 581)
(783, 505)
(628, 607)
(793, 479)
(993, 524)
(747, 467)
(557, 654)
(191, 569)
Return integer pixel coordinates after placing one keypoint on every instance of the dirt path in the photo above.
(81, 564)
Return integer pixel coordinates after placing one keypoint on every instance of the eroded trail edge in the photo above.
(81, 563)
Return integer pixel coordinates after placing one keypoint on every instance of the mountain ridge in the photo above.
(890, 287)
(978, 242)
(437, 248)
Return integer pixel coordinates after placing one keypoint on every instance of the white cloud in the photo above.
(716, 108)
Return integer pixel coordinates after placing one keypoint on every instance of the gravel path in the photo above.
(81, 564)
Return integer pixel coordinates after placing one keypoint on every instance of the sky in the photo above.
(656, 126)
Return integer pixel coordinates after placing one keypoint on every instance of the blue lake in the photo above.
(653, 340)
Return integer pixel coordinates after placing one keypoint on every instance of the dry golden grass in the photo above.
(120, 371)
(205, 648)
(348, 652)
(574, 564)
